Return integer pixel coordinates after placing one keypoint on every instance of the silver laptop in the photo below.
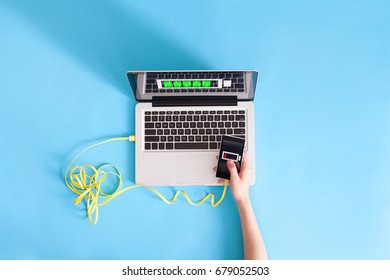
(180, 119)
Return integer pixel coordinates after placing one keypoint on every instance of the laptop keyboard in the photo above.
(191, 130)
(187, 82)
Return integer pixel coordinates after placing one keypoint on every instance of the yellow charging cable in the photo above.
(86, 181)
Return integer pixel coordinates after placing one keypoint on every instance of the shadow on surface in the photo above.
(106, 38)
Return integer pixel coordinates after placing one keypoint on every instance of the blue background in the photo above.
(322, 125)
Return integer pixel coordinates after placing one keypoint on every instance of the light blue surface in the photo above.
(322, 125)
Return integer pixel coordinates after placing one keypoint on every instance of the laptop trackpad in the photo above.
(195, 168)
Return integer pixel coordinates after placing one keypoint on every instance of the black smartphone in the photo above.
(231, 148)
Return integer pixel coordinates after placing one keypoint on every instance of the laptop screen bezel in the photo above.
(137, 80)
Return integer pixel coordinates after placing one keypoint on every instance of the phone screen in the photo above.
(231, 148)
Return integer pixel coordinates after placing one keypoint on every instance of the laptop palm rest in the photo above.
(199, 168)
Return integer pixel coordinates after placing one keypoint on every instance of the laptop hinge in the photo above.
(165, 101)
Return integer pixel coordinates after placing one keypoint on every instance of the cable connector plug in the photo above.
(132, 138)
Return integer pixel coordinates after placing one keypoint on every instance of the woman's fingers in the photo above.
(245, 161)
(232, 168)
(245, 168)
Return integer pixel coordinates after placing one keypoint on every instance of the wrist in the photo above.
(243, 201)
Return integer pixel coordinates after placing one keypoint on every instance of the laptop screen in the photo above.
(236, 83)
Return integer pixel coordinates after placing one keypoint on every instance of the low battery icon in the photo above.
(233, 156)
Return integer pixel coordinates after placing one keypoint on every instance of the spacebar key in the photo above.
(191, 146)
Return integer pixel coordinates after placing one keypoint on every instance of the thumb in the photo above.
(232, 168)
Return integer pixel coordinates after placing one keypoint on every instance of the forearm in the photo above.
(254, 247)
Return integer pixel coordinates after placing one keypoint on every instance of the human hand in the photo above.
(239, 182)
